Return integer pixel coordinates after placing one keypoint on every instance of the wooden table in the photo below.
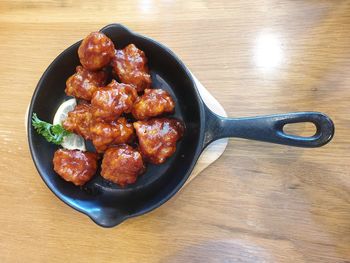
(259, 202)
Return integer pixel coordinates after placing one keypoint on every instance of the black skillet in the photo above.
(106, 203)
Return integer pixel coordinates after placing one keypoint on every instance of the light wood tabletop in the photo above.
(259, 202)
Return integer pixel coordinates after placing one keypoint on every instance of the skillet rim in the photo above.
(170, 194)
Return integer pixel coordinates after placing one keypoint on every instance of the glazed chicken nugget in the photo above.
(130, 65)
(104, 134)
(75, 166)
(96, 51)
(109, 102)
(158, 137)
(84, 83)
(78, 121)
(153, 102)
(122, 165)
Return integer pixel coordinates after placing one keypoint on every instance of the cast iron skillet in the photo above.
(106, 203)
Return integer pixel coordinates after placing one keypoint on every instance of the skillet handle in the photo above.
(269, 128)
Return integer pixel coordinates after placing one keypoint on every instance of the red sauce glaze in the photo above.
(104, 134)
(152, 103)
(84, 83)
(78, 121)
(110, 102)
(158, 137)
(96, 51)
(130, 65)
(75, 166)
(101, 120)
(122, 165)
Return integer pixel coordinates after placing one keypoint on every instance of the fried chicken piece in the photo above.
(75, 166)
(110, 102)
(158, 137)
(78, 121)
(130, 65)
(96, 51)
(122, 165)
(84, 83)
(153, 102)
(104, 134)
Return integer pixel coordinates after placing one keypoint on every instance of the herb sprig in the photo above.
(52, 133)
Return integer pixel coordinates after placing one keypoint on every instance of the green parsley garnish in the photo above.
(52, 133)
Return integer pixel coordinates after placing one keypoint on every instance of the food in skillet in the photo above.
(130, 65)
(104, 134)
(96, 51)
(109, 102)
(75, 166)
(109, 116)
(153, 102)
(52, 133)
(84, 83)
(78, 121)
(122, 165)
(158, 137)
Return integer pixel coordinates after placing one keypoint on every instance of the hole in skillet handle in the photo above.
(302, 129)
(324, 129)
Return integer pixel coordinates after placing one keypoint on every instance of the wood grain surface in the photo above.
(259, 202)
